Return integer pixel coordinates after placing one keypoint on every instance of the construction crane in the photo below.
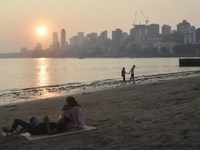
(146, 20)
(134, 23)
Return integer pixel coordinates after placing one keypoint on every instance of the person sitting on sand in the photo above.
(35, 128)
(74, 112)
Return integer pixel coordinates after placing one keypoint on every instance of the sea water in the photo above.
(25, 79)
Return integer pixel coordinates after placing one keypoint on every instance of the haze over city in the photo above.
(21, 20)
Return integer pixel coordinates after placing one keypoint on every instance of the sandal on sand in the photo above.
(6, 130)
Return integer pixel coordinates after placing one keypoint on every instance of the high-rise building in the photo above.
(38, 47)
(63, 40)
(24, 50)
(116, 37)
(80, 38)
(190, 35)
(55, 46)
(102, 37)
(166, 30)
(92, 38)
(152, 31)
(73, 41)
(181, 27)
(55, 37)
(138, 33)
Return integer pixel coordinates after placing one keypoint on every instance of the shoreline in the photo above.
(125, 55)
(161, 115)
(31, 94)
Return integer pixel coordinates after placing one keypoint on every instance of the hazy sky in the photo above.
(21, 19)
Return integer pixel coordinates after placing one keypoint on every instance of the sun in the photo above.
(41, 31)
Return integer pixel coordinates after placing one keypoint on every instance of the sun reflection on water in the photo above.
(43, 77)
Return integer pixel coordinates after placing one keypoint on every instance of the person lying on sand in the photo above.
(35, 128)
(74, 112)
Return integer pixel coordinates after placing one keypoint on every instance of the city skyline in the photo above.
(20, 20)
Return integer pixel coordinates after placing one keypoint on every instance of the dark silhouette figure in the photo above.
(123, 75)
(132, 73)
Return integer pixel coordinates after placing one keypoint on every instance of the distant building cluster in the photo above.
(142, 39)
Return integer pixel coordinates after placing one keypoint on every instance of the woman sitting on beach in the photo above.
(74, 112)
(35, 128)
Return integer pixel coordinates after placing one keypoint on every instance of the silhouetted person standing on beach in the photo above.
(132, 74)
(123, 75)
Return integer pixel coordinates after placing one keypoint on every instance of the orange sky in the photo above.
(20, 19)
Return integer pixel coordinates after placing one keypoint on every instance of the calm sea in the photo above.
(26, 78)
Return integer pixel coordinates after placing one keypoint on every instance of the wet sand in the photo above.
(29, 94)
(162, 115)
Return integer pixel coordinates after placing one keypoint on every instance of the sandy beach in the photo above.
(162, 115)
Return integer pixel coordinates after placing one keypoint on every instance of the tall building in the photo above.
(190, 35)
(55, 46)
(103, 36)
(63, 40)
(38, 47)
(116, 37)
(92, 38)
(80, 38)
(55, 37)
(166, 30)
(73, 41)
(181, 27)
(24, 50)
(102, 39)
(138, 33)
(152, 31)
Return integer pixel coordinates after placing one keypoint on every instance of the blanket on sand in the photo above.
(37, 137)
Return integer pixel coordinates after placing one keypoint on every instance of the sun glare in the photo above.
(41, 30)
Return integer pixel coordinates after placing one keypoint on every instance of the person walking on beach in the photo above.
(132, 74)
(35, 128)
(74, 112)
(123, 73)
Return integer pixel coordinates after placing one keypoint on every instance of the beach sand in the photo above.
(162, 115)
